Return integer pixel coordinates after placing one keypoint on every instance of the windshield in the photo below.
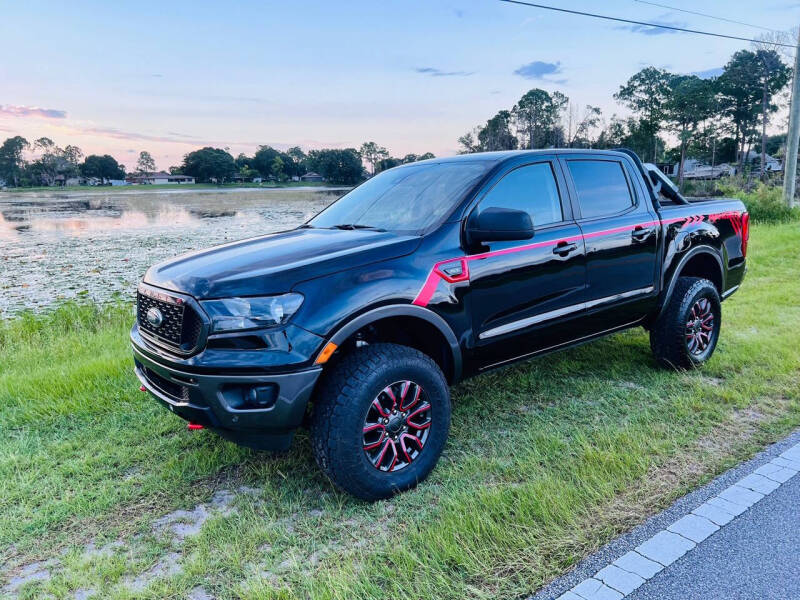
(406, 199)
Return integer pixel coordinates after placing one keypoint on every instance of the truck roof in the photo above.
(499, 156)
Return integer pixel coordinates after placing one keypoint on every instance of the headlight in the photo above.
(234, 314)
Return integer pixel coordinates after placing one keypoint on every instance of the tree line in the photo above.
(55, 165)
(335, 165)
(716, 119)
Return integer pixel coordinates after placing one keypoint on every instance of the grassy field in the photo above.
(105, 491)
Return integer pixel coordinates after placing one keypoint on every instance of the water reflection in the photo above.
(82, 212)
(97, 244)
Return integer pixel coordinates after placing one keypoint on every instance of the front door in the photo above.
(524, 295)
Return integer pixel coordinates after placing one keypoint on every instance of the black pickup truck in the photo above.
(356, 322)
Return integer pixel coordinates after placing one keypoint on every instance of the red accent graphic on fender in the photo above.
(436, 274)
(464, 276)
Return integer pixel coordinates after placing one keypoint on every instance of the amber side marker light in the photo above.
(326, 353)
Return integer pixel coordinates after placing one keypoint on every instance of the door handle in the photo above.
(564, 248)
(641, 233)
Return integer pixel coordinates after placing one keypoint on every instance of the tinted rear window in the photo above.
(601, 186)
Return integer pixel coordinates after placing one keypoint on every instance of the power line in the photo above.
(699, 14)
(643, 23)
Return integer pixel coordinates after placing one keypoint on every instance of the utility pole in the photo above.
(793, 138)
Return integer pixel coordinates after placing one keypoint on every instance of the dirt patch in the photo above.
(36, 571)
(184, 523)
(165, 567)
(200, 593)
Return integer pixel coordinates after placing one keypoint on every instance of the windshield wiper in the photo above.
(352, 226)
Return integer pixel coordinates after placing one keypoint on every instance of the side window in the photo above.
(601, 186)
(531, 188)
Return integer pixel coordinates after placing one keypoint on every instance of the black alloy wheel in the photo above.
(396, 426)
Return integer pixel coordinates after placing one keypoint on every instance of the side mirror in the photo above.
(499, 225)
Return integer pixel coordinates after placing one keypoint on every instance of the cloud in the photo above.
(171, 137)
(119, 134)
(709, 73)
(12, 110)
(648, 30)
(182, 135)
(540, 70)
(433, 72)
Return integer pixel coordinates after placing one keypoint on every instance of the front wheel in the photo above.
(381, 420)
(686, 333)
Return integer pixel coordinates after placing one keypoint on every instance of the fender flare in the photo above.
(404, 310)
(682, 263)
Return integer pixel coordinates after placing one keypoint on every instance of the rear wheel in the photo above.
(686, 333)
(381, 420)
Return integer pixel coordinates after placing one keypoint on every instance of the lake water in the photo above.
(98, 244)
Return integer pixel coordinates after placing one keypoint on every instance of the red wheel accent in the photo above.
(414, 399)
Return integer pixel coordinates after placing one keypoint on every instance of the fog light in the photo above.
(262, 396)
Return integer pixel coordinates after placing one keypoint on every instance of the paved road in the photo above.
(756, 556)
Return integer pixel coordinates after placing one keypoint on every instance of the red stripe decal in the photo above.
(436, 275)
(428, 288)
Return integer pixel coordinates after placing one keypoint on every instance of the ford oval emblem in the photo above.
(154, 317)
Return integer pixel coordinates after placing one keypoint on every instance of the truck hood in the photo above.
(274, 263)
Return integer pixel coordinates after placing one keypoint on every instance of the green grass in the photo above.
(547, 461)
(105, 189)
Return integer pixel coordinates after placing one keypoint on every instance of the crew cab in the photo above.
(357, 322)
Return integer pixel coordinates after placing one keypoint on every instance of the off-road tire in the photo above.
(342, 403)
(668, 336)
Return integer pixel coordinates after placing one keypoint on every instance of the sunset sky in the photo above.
(168, 77)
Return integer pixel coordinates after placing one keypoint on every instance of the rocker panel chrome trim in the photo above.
(560, 312)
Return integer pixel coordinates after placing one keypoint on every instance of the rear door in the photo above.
(621, 234)
(522, 293)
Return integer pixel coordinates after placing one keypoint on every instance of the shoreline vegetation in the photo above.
(103, 189)
(104, 490)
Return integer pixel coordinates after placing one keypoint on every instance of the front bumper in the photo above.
(218, 400)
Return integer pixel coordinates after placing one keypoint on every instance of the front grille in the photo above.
(175, 391)
(180, 327)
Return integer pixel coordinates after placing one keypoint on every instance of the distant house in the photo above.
(772, 163)
(695, 169)
(160, 178)
(312, 176)
(239, 178)
(62, 180)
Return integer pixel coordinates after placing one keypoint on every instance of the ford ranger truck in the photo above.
(357, 322)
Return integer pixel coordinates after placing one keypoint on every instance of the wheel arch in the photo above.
(701, 261)
(416, 326)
